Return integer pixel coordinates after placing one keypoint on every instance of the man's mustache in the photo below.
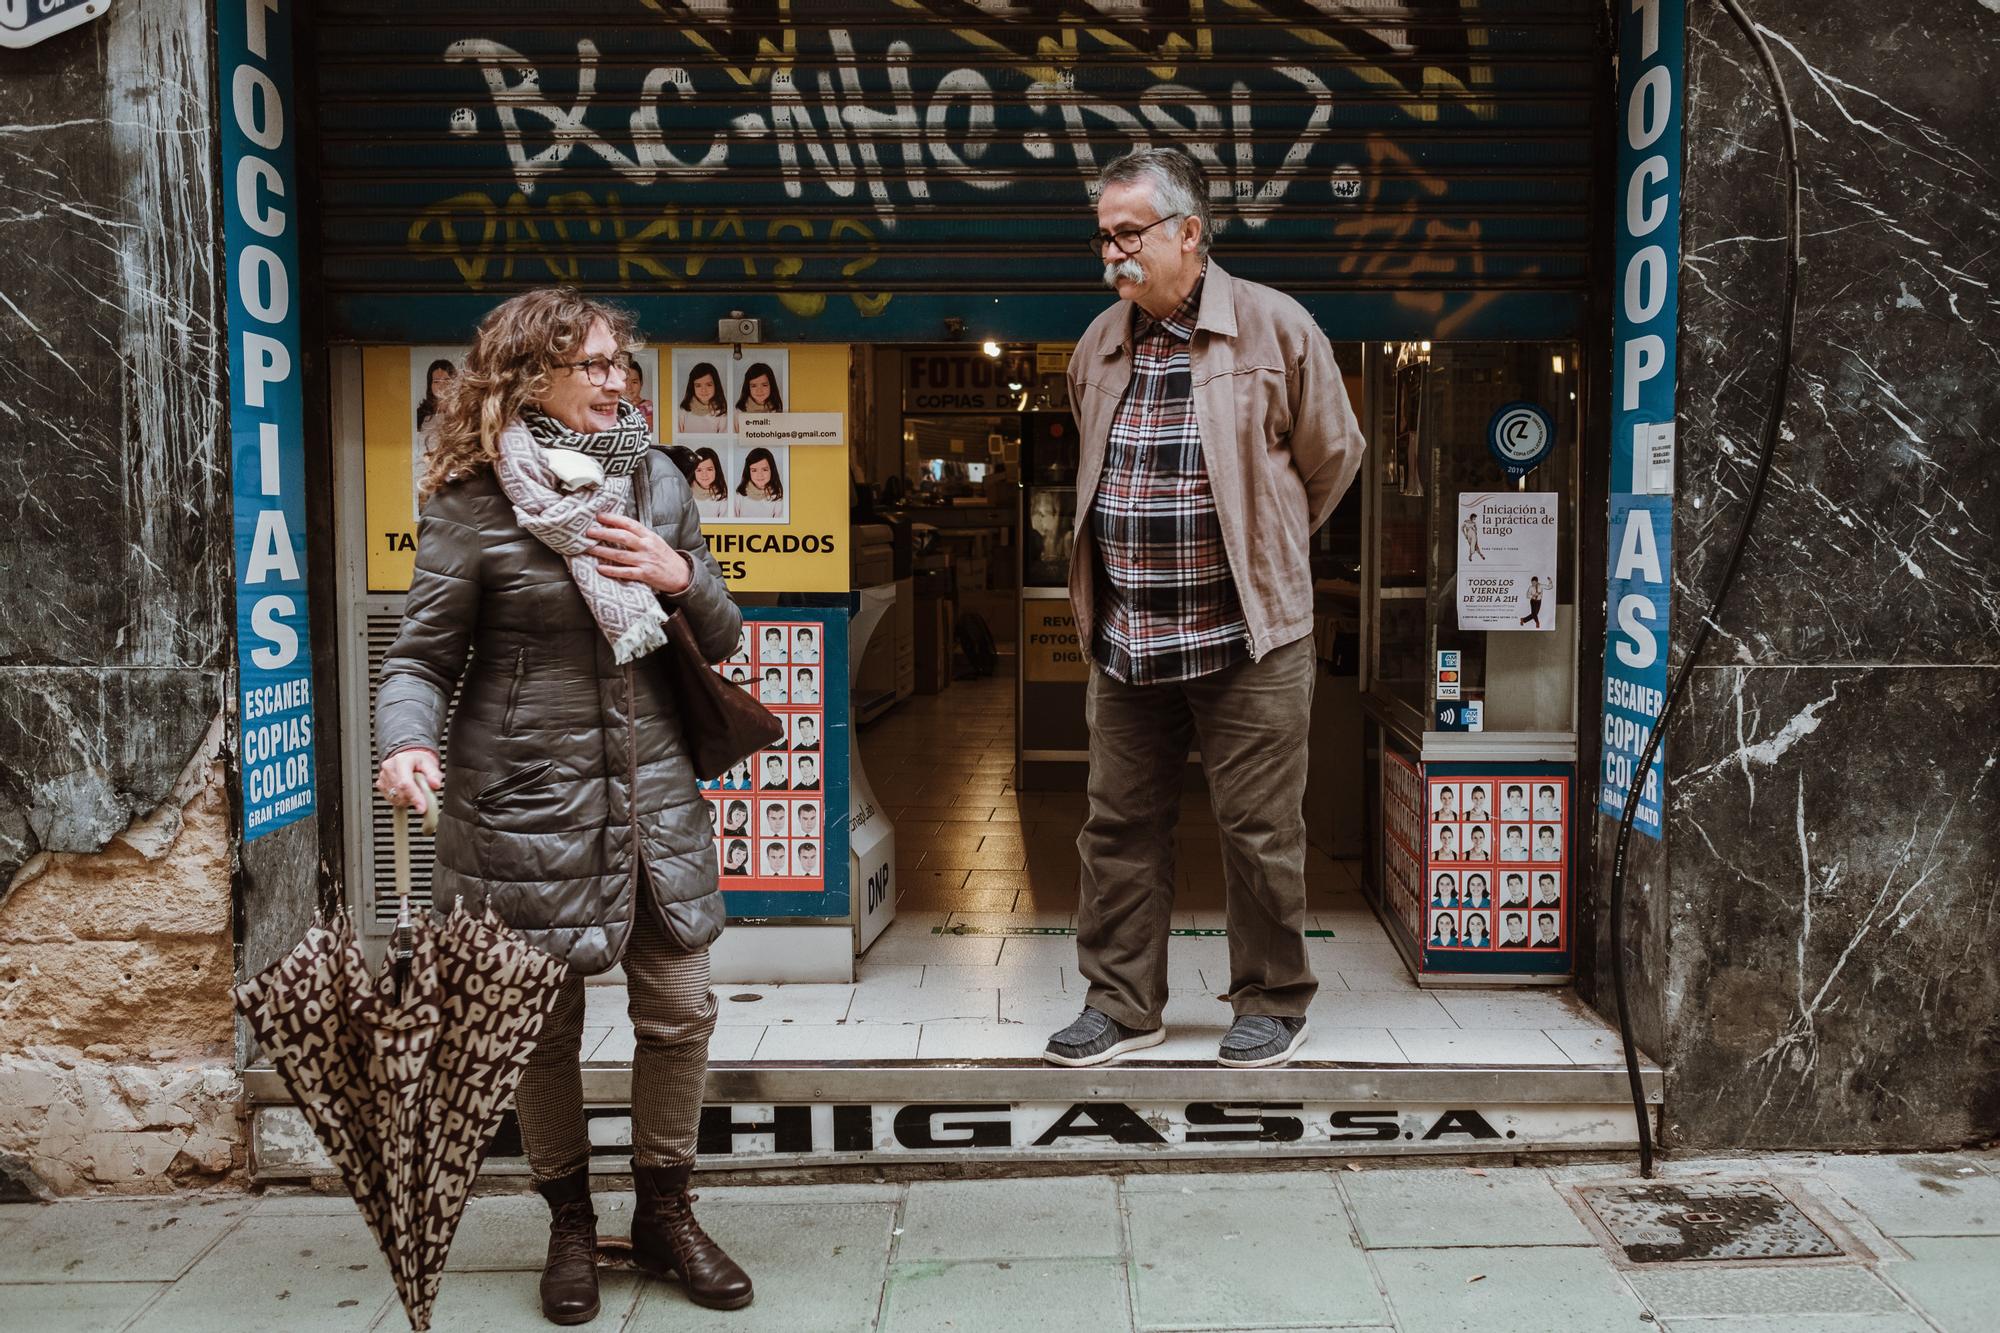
(1129, 269)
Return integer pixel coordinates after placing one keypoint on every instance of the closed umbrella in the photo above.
(404, 1073)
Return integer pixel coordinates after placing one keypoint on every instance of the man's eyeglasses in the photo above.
(598, 368)
(1129, 240)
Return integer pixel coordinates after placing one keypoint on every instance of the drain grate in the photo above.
(1658, 1224)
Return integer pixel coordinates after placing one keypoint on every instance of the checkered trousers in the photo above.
(1167, 605)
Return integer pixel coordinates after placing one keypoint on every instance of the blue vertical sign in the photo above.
(1651, 40)
(253, 41)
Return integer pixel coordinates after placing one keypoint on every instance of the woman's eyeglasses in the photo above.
(598, 368)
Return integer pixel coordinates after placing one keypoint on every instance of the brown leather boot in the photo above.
(668, 1242)
(569, 1275)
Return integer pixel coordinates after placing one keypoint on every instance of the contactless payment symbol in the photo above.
(1519, 437)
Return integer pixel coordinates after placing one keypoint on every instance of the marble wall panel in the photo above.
(115, 538)
(1836, 910)
(1880, 538)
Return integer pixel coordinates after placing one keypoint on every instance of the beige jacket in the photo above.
(1277, 433)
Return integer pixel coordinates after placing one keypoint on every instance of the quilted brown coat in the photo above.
(553, 746)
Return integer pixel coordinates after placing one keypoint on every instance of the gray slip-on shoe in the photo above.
(1096, 1037)
(1256, 1040)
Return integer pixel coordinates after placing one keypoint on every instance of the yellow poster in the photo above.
(768, 429)
(1050, 648)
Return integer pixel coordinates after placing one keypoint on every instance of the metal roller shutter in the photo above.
(869, 169)
(381, 618)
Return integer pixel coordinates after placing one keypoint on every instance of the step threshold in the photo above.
(773, 1115)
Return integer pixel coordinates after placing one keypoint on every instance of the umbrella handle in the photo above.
(399, 834)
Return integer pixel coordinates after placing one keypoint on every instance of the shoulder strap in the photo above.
(642, 489)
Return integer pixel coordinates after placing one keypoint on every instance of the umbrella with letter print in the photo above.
(404, 1072)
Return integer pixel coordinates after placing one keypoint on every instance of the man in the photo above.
(1214, 436)
(774, 819)
(1514, 930)
(772, 690)
(805, 733)
(808, 774)
(774, 644)
(1514, 804)
(1513, 843)
(1546, 894)
(805, 686)
(807, 647)
(1546, 804)
(1514, 890)
(1546, 934)
(808, 820)
(774, 860)
(1545, 844)
(774, 773)
(808, 858)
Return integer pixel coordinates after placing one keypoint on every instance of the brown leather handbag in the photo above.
(720, 722)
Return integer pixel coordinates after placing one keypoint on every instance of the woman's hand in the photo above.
(628, 549)
(408, 777)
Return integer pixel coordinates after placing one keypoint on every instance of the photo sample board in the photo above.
(1497, 869)
(779, 818)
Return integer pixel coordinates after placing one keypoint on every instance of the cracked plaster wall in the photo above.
(1819, 956)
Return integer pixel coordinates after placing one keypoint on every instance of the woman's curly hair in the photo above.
(520, 344)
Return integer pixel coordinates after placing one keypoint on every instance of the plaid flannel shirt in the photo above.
(1168, 606)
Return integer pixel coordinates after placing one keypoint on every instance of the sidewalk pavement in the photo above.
(1423, 1250)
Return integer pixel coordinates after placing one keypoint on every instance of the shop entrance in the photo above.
(881, 206)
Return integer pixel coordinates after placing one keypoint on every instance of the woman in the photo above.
(711, 494)
(1475, 933)
(704, 408)
(760, 492)
(437, 387)
(572, 811)
(760, 395)
(437, 384)
(736, 819)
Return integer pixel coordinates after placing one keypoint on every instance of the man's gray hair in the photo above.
(1179, 184)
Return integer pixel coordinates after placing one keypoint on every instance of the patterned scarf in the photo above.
(626, 610)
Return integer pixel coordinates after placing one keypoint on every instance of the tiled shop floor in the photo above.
(1486, 1250)
(979, 964)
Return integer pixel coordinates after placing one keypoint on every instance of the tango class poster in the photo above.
(1507, 560)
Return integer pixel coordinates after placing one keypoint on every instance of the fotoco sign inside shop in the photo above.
(266, 415)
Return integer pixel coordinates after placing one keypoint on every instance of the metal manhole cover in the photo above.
(1658, 1224)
